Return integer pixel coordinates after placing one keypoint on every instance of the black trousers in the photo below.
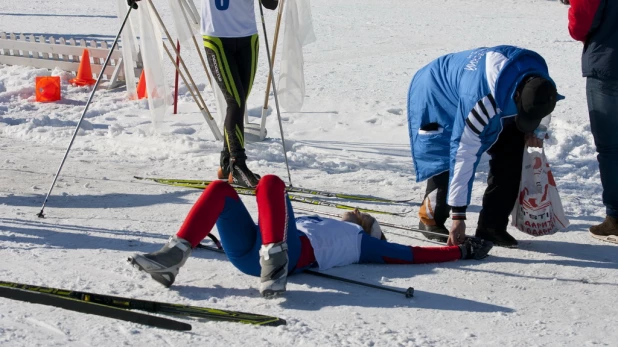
(233, 61)
(502, 182)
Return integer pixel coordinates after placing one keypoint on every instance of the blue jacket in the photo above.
(468, 94)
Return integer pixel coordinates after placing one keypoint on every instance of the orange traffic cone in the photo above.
(47, 89)
(84, 74)
(141, 87)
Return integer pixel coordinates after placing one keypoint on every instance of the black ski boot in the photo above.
(240, 174)
(437, 229)
(475, 248)
(224, 165)
(497, 237)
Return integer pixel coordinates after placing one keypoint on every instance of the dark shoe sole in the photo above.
(512, 246)
(497, 243)
(500, 244)
(268, 294)
(240, 183)
(155, 276)
(606, 238)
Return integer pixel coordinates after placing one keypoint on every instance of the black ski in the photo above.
(152, 306)
(78, 305)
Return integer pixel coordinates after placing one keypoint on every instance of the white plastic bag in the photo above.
(538, 210)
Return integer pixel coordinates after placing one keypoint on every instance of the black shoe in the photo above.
(498, 238)
(475, 248)
(241, 175)
(224, 165)
(434, 229)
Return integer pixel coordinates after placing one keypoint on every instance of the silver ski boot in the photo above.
(274, 263)
(163, 265)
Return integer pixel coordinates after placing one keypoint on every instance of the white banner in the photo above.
(298, 33)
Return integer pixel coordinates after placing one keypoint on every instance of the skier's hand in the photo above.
(133, 3)
(457, 234)
(533, 141)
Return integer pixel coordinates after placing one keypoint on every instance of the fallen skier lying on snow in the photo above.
(282, 244)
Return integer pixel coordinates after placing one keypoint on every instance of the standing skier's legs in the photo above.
(233, 62)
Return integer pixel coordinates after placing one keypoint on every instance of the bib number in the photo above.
(222, 5)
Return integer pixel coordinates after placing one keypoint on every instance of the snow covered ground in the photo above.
(351, 136)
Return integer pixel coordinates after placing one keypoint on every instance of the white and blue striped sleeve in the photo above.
(466, 150)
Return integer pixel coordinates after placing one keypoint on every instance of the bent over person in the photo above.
(231, 42)
(465, 104)
(283, 244)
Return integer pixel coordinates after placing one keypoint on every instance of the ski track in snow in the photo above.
(351, 136)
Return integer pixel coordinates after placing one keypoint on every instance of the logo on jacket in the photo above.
(474, 58)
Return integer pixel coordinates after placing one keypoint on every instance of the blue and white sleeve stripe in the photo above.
(468, 151)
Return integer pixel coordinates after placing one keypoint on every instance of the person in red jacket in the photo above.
(595, 23)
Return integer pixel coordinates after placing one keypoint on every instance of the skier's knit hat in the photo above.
(369, 224)
(537, 99)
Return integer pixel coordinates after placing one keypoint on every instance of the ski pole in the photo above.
(408, 292)
(270, 71)
(270, 76)
(79, 123)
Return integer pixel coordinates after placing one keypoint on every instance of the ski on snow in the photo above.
(251, 191)
(290, 189)
(73, 304)
(124, 304)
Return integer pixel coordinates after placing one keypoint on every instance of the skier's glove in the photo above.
(132, 3)
(270, 4)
